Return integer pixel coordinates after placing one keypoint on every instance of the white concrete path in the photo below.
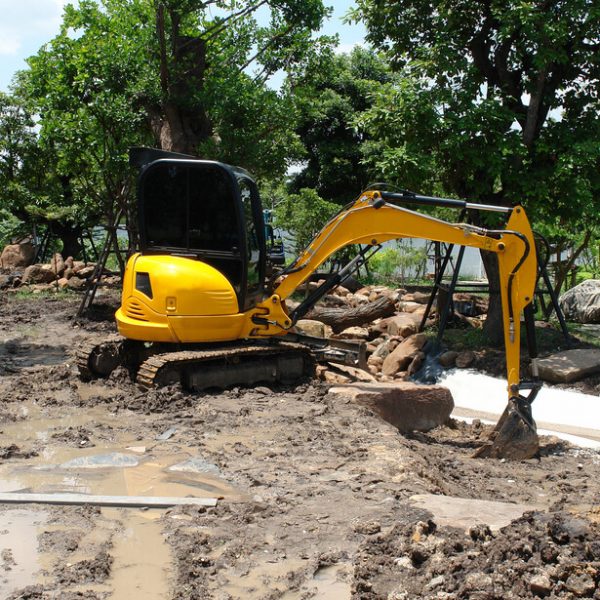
(569, 414)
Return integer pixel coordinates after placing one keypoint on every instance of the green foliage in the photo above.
(503, 98)
(303, 215)
(396, 264)
(166, 73)
(329, 92)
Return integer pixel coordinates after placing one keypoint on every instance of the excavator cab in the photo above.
(204, 210)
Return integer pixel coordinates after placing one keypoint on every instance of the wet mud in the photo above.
(316, 497)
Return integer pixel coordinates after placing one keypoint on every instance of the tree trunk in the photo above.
(493, 326)
(342, 318)
(69, 234)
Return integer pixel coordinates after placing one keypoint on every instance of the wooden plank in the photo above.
(118, 501)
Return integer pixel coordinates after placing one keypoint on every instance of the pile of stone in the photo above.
(395, 348)
(17, 270)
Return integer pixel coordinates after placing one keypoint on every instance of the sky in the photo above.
(28, 24)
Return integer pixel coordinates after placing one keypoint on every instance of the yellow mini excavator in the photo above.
(198, 308)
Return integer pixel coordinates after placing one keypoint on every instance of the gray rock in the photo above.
(540, 585)
(570, 365)
(581, 584)
(582, 303)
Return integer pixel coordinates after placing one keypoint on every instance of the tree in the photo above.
(303, 215)
(329, 93)
(166, 73)
(510, 96)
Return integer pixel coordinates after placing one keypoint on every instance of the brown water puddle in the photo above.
(133, 468)
(19, 561)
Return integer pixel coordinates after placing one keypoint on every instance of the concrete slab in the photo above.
(465, 513)
(570, 365)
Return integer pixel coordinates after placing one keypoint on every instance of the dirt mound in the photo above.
(540, 555)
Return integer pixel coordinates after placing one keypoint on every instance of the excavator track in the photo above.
(221, 368)
(99, 359)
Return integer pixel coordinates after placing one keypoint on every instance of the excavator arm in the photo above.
(374, 218)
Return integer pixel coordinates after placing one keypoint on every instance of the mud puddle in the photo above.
(140, 559)
(19, 562)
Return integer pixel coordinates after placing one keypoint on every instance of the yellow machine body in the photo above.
(189, 302)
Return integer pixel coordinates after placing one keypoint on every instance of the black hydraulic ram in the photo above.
(408, 197)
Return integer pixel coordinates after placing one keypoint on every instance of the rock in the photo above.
(581, 584)
(354, 373)
(401, 357)
(404, 324)
(58, 264)
(375, 361)
(84, 272)
(5, 281)
(582, 303)
(78, 265)
(383, 350)
(357, 299)
(540, 585)
(570, 365)
(410, 307)
(62, 283)
(406, 405)
(75, 283)
(447, 359)
(352, 333)
(465, 359)
(68, 273)
(17, 256)
(38, 274)
(340, 290)
(69, 262)
(310, 327)
(418, 297)
(335, 378)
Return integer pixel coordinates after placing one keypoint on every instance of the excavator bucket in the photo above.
(515, 436)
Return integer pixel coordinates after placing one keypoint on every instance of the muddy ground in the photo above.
(317, 497)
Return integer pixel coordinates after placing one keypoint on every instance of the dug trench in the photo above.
(319, 498)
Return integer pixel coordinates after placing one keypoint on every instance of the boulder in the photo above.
(84, 272)
(69, 262)
(310, 327)
(407, 406)
(58, 264)
(75, 283)
(411, 307)
(404, 324)
(354, 373)
(17, 256)
(62, 283)
(383, 350)
(448, 358)
(570, 365)
(401, 357)
(465, 359)
(38, 274)
(582, 303)
(352, 333)
(419, 297)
